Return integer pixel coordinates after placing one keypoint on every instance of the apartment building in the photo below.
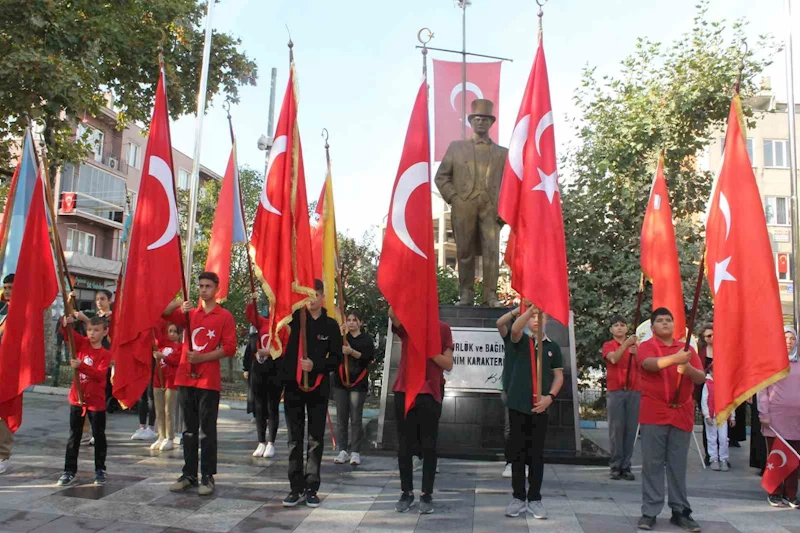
(768, 148)
(96, 196)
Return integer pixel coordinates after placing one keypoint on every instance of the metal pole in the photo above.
(198, 136)
(271, 116)
(790, 110)
(464, 4)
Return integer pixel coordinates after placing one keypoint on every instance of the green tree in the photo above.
(665, 98)
(58, 60)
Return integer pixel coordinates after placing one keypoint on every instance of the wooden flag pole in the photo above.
(692, 316)
(636, 317)
(539, 350)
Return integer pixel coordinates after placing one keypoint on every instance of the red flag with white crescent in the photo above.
(153, 273)
(281, 243)
(407, 268)
(530, 202)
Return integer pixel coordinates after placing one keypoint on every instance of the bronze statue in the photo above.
(469, 180)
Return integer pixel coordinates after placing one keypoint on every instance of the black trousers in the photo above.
(200, 409)
(526, 447)
(297, 404)
(266, 407)
(97, 419)
(417, 432)
(147, 407)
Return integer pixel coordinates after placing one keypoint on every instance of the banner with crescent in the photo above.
(483, 81)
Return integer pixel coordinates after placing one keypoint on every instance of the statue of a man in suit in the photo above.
(469, 180)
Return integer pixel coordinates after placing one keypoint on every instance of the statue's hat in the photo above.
(482, 108)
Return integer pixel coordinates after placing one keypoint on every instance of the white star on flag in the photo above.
(548, 185)
(211, 334)
(721, 273)
(771, 466)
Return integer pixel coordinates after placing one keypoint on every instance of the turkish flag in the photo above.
(749, 347)
(35, 288)
(783, 263)
(153, 272)
(281, 243)
(228, 227)
(659, 252)
(782, 461)
(530, 202)
(483, 81)
(68, 202)
(407, 268)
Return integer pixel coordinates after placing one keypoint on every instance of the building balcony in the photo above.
(89, 265)
(100, 195)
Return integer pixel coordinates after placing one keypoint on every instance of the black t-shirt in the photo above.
(364, 345)
(324, 348)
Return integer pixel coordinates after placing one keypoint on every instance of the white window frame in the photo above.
(772, 145)
(181, 173)
(133, 155)
(788, 274)
(771, 203)
(81, 242)
(96, 139)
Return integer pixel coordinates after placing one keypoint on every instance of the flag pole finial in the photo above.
(737, 87)
(326, 135)
(290, 44)
(424, 38)
(540, 14)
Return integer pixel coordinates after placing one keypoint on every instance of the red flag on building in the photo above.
(782, 462)
(659, 252)
(530, 202)
(281, 243)
(407, 268)
(153, 272)
(749, 345)
(35, 288)
(228, 227)
(483, 81)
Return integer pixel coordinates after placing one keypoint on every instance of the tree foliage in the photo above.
(672, 98)
(58, 59)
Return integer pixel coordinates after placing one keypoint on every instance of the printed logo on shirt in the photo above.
(549, 354)
(322, 337)
(88, 361)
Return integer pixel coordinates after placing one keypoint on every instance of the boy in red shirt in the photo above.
(165, 394)
(213, 337)
(91, 364)
(666, 424)
(622, 398)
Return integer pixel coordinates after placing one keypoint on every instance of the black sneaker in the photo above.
(66, 479)
(206, 486)
(183, 483)
(312, 500)
(100, 477)
(627, 475)
(773, 499)
(294, 498)
(616, 474)
(684, 521)
(795, 504)
(405, 502)
(646, 522)
(425, 504)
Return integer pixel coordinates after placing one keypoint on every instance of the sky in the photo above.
(358, 73)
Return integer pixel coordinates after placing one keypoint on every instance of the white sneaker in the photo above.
(260, 450)
(417, 463)
(355, 458)
(507, 472)
(269, 451)
(157, 444)
(342, 458)
(515, 507)
(4, 466)
(166, 445)
(537, 510)
(149, 434)
(137, 435)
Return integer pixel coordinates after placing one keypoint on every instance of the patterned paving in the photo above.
(470, 495)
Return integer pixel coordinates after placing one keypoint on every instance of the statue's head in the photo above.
(482, 116)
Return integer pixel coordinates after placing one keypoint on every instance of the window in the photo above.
(95, 139)
(784, 266)
(776, 209)
(749, 148)
(776, 153)
(183, 178)
(133, 155)
(80, 241)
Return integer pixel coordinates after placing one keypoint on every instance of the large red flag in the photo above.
(782, 462)
(530, 202)
(153, 273)
(407, 268)
(749, 345)
(659, 252)
(35, 288)
(483, 81)
(281, 243)
(228, 227)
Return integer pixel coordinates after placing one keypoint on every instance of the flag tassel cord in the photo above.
(65, 280)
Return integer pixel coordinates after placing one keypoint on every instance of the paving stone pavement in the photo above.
(469, 496)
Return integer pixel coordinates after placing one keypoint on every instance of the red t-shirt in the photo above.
(210, 331)
(169, 365)
(91, 373)
(617, 373)
(658, 388)
(434, 375)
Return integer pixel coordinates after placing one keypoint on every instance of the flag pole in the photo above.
(692, 316)
(636, 317)
(790, 111)
(65, 279)
(463, 5)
